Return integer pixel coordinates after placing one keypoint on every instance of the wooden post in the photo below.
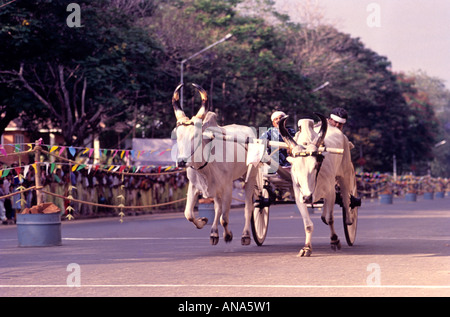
(37, 158)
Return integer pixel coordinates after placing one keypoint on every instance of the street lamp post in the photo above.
(226, 37)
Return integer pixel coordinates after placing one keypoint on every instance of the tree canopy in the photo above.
(123, 64)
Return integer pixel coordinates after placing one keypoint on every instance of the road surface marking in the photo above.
(230, 285)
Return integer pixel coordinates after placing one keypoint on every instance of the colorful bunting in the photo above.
(50, 168)
(73, 151)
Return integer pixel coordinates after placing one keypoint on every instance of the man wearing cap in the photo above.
(273, 134)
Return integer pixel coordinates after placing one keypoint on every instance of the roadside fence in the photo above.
(82, 189)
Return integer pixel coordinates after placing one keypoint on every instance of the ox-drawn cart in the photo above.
(272, 186)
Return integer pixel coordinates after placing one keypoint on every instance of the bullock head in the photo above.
(189, 131)
(306, 159)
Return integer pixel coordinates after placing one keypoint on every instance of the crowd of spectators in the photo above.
(100, 187)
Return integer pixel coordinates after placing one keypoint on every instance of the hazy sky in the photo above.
(413, 34)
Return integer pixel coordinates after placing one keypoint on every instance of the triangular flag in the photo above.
(62, 150)
(90, 152)
(25, 170)
(81, 167)
(53, 148)
(72, 151)
(5, 173)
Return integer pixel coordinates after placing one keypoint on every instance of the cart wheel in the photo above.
(350, 230)
(260, 216)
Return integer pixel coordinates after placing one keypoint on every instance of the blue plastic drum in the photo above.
(39, 230)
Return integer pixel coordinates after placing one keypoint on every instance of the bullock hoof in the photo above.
(228, 237)
(245, 240)
(201, 222)
(324, 220)
(214, 240)
(335, 244)
(306, 251)
(214, 237)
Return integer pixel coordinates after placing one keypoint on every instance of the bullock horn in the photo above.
(179, 113)
(285, 134)
(204, 108)
(323, 129)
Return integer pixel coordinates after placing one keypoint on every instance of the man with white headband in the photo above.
(338, 118)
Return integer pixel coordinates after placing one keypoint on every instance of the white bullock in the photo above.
(314, 173)
(212, 165)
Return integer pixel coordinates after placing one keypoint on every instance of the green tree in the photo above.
(361, 82)
(430, 99)
(248, 76)
(78, 76)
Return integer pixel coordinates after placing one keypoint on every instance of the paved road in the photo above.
(404, 247)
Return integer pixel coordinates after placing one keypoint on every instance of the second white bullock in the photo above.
(212, 165)
(315, 173)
